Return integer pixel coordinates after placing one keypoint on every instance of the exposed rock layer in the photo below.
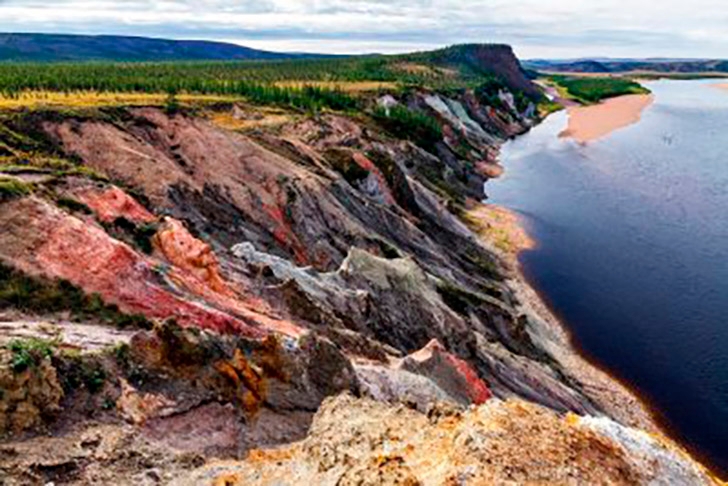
(282, 268)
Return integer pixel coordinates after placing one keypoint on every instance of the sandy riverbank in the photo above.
(587, 123)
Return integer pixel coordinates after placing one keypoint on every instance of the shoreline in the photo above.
(592, 122)
(619, 399)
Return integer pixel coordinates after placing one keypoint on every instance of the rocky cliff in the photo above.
(176, 292)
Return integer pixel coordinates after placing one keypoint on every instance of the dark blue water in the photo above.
(633, 250)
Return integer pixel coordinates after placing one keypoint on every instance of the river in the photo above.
(632, 254)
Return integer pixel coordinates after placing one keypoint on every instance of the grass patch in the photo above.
(589, 90)
(547, 107)
(73, 205)
(13, 188)
(78, 371)
(38, 295)
(35, 99)
(29, 353)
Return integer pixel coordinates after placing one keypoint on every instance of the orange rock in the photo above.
(195, 268)
(185, 251)
(138, 408)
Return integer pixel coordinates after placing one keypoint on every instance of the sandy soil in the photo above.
(587, 123)
(500, 227)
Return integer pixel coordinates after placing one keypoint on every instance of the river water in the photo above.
(632, 234)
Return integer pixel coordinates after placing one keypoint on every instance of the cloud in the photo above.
(537, 28)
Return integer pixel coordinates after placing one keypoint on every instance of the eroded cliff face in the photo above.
(268, 271)
(359, 441)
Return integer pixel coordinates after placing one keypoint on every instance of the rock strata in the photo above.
(261, 274)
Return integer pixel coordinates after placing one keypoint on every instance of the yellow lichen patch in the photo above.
(91, 99)
(346, 86)
(572, 419)
(257, 119)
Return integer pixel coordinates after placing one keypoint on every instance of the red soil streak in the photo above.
(89, 258)
(477, 389)
(43, 240)
(366, 164)
(111, 203)
(282, 231)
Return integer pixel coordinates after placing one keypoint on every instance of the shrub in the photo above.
(73, 205)
(29, 353)
(411, 125)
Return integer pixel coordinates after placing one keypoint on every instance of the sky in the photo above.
(536, 28)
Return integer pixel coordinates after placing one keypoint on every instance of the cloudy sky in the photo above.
(536, 28)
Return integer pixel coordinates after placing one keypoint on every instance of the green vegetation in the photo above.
(220, 77)
(42, 296)
(489, 90)
(140, 235)
(308, 84)
(589, 90)
(252, 80)
(546, 107)
(12, 188)
(76, 371)
(73, 205)
(29, 353)
(403, 123)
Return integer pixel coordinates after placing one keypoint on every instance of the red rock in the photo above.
(40, 239)
(111, 203)
(477, 389)
(366, 164)
(454, 375)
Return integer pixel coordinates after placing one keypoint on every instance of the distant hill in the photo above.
(496, 59)
(57, 47)
(667, 66)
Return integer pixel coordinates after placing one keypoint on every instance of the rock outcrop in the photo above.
(260, 274)
(357, 441)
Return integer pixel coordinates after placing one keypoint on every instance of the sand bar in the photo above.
(587, 123)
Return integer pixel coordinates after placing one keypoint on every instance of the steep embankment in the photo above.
(256, 274)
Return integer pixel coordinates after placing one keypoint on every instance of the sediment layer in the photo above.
(260, 274)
